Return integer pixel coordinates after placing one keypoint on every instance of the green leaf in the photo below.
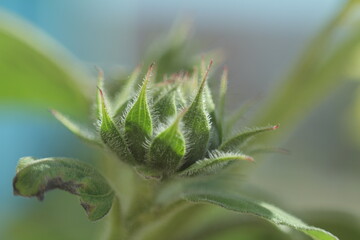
(37, 71)
(266, 211)
(138, 122)
(111, 135)
(169, 53)
(81, 131)
(216, 161)
(197, 126)
(239, 140)
(35, 177)
(168, 148)
(320, 71)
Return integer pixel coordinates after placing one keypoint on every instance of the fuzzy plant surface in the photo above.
(170, 131)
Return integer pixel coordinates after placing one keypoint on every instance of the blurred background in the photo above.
(262, 42)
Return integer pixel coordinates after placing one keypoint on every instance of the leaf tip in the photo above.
(275, 127)
(250, 159)
(150, 71)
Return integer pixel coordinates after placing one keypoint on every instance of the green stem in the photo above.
(116, 230)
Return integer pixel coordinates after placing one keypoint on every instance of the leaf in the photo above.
(138, 122)
(319, 72)
(236, 142)
(36, 71)
(169, 53)
(168, 148)
(216, 161)
(266, 211)
(35, 177)
(81, 131)
(197, 126)
(111, 135)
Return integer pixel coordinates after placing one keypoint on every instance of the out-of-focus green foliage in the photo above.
(54, 219)
(344, 225)
(35, 71)
(322, 67)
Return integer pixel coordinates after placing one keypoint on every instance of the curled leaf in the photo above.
(34, 177)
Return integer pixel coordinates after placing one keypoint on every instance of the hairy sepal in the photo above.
(197, 126)
(138, 122)
(167, 149)
(165, 106)
(216, 161)
(111, 135)
(236, 142)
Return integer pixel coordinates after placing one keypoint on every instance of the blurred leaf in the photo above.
(240, 204)
(353, 118)
(34, 177)
(170, 54)
(36, 71)
(79, 130)
(126, 90)
(344, 225)
(320, 70)
(249, 230)
(57, 218)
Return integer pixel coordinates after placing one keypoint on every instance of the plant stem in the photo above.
(116, 230)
